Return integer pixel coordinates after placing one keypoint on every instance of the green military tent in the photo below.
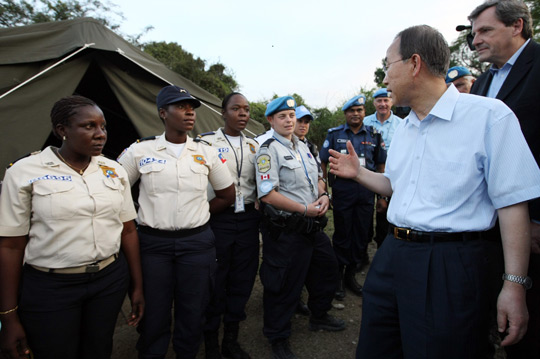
(41, 63)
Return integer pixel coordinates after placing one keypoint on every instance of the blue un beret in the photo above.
(172, 94)
(381, 93)
(456, 72)
(302, 111)
(280, 104)
(359, 100)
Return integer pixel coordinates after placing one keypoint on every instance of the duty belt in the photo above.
(88, 268)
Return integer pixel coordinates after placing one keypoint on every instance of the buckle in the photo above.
(407, 232)
(92, 268)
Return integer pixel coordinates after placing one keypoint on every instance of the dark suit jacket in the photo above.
(521, 92)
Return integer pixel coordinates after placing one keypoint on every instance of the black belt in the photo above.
(172, 234)
(411, 235)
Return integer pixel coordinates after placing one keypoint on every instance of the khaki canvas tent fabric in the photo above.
(92, 61)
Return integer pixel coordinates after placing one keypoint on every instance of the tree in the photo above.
(18, 13)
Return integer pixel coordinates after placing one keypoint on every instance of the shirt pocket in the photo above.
(290, 174)
(54, 199)
(150, 176)
(198, 177)
(111, 197)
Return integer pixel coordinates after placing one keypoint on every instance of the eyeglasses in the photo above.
(386, 65)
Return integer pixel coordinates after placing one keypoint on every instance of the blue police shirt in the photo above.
(367, 142)
(451, 171)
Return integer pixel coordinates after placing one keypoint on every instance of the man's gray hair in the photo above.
(508, 12)
(429, 44)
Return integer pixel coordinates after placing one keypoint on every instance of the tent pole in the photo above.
(47, 69)
(170, 83)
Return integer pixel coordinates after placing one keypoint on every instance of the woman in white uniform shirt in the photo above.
(67, 212)
(177, 245)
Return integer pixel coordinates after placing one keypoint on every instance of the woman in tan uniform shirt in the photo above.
(68, 214)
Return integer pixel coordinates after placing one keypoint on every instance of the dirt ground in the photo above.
(304, 343)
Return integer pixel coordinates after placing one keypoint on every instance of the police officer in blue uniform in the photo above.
(295, 248)
(353, 203)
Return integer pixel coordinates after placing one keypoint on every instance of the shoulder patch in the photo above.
(206, 134)
(335, 128)
(268, 142)
(263, 163)
(20, 158)
(146, 138)
(200, 140)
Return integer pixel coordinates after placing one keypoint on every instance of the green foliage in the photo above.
(216, 80)
(379, 75)
(18, 13)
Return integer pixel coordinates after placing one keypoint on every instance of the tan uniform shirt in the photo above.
(71, 220)
(237, 160)
(172, 191)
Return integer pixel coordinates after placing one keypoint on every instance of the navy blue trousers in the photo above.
(179, 271)
(289, 261)
(237, 251)
(353, 218)
(427, 300)
(72, 316)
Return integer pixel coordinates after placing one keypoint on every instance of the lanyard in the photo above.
(301, 160)
(238, 166)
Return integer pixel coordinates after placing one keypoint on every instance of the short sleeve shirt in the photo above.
(386, 129)
(289, 168)
(70, 219)
(173, 190)
(238, 160)
(451, 171)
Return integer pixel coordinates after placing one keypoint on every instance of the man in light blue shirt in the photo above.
(383, 120)
(451, 171)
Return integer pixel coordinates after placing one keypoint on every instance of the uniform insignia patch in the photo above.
(290, 103)
(109, 172)
(266, 186)
(223, 149)
(223, 160)
(199, 159)
(263, 163)
(288, 157)
(326, 144)
(309, 155)
(252, 148)
(341, 140)
(148, 160)
(265, 177)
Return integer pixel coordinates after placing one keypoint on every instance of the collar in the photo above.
(363, 128)
(161, 143)
(50, 159)
(443, 109)
(286, 142)
(220, 134)
(511, 61)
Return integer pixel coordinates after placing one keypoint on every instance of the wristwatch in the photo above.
(524, 281)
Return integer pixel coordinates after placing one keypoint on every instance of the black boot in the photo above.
(211, 345)
(340, 292)
(350, 280)
(302, 308)
(229, 346)
(282, 350)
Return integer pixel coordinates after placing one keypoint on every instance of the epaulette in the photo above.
(20, 158)
(206, 134)
(198, 139)
(335, 128)
(268, 142)
(146, 138)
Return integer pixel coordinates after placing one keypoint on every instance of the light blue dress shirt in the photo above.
(387, 128)
(452, 170)
(500, 75)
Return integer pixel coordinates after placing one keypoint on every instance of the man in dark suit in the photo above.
(502, 32)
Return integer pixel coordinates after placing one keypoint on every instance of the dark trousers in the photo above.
(179, 271)
(72, 316)
(237, 251)
(427, 300)
(353, 219)
(289, 261)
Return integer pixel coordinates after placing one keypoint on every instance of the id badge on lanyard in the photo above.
(362, 160)
(239, 203)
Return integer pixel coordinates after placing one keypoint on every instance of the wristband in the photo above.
(324, 194)
(305, 210)
(9, 311)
